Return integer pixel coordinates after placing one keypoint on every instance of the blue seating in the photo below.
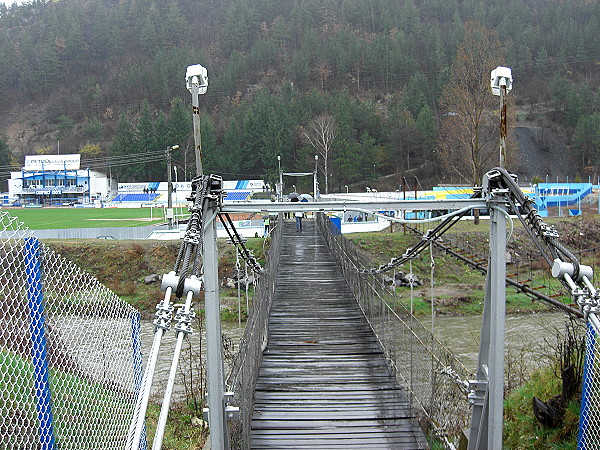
(135, 197)
(237, 196)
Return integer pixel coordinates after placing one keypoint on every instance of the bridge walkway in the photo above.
(324, 381)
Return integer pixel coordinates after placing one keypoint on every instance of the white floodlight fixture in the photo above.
(501, 76)
(197, 74)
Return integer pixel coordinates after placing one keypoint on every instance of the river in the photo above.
(531, 336)
(231, 330)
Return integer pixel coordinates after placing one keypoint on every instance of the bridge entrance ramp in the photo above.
(324, 381)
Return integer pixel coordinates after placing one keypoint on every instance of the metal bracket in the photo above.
(231, 412)
(477, 390)
(192, 283)
(163, 317)
(184, 320)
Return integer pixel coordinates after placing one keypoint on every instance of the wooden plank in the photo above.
(324, 381)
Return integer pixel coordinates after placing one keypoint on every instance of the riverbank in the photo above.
(132, 269)
(459, 288)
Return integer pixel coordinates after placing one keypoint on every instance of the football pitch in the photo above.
(59, 218)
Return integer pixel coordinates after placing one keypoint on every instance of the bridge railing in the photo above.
(244, 372)
(70, 352)
(434, 377)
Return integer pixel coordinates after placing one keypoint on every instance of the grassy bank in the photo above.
(523, 431)
(458, 288)
(123, 265)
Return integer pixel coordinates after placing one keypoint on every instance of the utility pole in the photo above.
(196, 78)
(316, 184)
(501, 84)
(170, 186)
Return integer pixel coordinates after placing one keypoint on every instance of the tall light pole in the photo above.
(315, 179)
(501, 84)
(280, 190)
(170, 186)
(176, 220)
(196, 79)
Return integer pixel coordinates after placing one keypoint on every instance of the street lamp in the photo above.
(346, 186)
(280, 188)
(294, 186)
(315, 179)
(501, 84)
(196, 80)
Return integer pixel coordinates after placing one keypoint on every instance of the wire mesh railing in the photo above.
(435, 379)
(589, 416)
(70, 353)
(244, 371)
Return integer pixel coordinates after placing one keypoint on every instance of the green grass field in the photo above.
(58, 218)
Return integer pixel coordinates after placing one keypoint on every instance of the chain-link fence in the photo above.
(70, 358)
(244, 372)
(434, 377)
(589, 417)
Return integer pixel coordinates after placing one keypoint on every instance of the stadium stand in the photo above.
(135, 197)
(237, 196)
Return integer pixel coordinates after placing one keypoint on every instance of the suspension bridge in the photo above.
(323, 380)
(326, 361)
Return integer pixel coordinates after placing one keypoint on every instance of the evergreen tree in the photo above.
(5, 163)
(121, 151)
(146, 145)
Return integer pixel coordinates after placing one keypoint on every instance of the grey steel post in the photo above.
(214, 353)
(487, 391)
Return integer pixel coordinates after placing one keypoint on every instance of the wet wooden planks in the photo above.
(324, 382)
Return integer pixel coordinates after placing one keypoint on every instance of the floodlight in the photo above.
(197, 74)
(501, 76)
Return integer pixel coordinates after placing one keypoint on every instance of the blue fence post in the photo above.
(38, 343)
(335, 225)
(138, 373)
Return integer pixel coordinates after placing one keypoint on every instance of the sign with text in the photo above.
(52, 162)
(48, 192)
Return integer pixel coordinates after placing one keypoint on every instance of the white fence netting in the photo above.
(70, 355)
(589, 434)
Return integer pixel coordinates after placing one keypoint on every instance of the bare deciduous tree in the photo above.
(320, 133)
(469, 133)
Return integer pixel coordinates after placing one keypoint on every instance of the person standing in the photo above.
(267, 224)
(298, 215)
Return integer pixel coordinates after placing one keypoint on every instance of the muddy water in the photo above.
(163, 366)
(530, 337)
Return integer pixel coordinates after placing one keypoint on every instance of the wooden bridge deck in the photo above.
(324, 381)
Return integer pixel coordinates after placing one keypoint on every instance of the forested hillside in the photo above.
(106, 78)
